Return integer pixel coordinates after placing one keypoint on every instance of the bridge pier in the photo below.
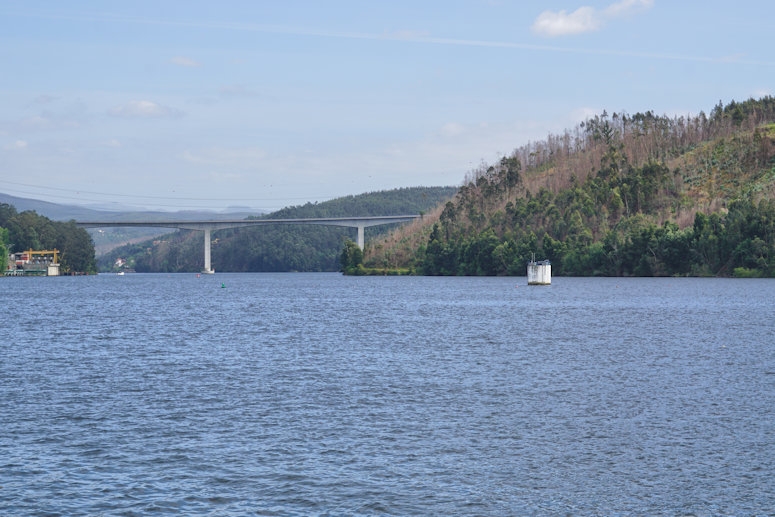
(208, 269)
(208, 226)
(361, 239)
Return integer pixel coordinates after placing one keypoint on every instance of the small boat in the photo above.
(120, 273)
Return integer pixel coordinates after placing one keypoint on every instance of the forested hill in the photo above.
(400, 201)
(617, 195)
(278, 247)
(21, 231)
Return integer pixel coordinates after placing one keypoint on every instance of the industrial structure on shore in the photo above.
(33, 263)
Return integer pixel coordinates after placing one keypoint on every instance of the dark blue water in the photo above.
(317, 394)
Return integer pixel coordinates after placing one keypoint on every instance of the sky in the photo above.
(177, 105)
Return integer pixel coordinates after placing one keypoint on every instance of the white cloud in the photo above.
(585, 18)
(582, 114)
(452, 129)
(45, 99)
(627, 8)
(184, 61)
(732, 58)
(242, 157)
(407, 35)
(224, 177)
(36, 122)
(18, 145)
(237, 90)
(144, 109)
(65, 117)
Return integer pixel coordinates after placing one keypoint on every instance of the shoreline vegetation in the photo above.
(21, 231)
(619, 195)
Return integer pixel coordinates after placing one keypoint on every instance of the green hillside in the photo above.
(634, 195)
(278, 247)
(21, 231)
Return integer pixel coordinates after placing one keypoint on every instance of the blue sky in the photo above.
(174, 105)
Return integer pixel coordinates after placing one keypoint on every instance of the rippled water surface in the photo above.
(318, 394)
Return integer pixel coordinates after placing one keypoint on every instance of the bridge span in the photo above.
(209, 226)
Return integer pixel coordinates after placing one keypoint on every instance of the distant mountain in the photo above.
(59, 212)
(53, 211)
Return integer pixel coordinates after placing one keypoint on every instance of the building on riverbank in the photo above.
(33, 263)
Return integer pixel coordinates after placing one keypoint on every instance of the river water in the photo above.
(318, 394)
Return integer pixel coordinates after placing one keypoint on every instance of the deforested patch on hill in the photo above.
(619, 194)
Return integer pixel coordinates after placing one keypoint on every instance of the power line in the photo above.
(89, 199)
(150, 205)
(163, 198)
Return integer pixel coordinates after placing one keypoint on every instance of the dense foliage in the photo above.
(282, 247)
(625, 195)
(352, 257)
(739, 242)
(28, 230)
(3, 249)
(400, 201)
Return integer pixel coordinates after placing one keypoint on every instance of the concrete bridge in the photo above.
(209, 226)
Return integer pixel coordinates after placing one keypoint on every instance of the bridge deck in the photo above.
(208, 226)
(233, 223)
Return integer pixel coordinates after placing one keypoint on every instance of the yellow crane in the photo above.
(53, 252)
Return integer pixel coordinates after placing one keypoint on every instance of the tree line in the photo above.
(625, 195)
(740, 242)
(21, 231)
(641, 137)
